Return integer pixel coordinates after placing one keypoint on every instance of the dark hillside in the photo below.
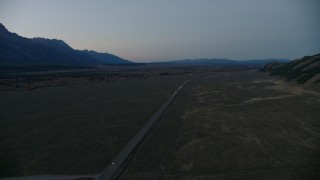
(306, 69)
(20, 51)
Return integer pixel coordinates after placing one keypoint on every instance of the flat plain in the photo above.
(235, 125)
(78, 125)
(227, 123)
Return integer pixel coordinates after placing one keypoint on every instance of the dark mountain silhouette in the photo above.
(306, 69)
(20, 51)
(106, 57)
(224, 62)
(201, 61)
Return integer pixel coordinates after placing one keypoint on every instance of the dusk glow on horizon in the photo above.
(150, 30)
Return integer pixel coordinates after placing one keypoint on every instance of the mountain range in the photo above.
(20, 51)
(221, 61)
(16, 50)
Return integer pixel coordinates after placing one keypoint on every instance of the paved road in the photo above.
(120, 161)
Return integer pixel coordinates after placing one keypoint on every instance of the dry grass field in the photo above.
(78, 128)
(236, 125)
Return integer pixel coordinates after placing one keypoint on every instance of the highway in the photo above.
(115, 168)
(119, 163)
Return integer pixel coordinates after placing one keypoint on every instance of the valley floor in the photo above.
(232, 124)
(237, 125)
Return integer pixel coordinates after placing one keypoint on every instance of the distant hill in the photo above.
(306, 69)
(106, 57)
(20, 51)
(224, 62)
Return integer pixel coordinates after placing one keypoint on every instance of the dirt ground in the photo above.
(238, 125)
(75, 129)
(75, 122)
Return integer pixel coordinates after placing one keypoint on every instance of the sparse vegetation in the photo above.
(76, 122)
(236, 122)
(300, 70)
(75, 129)
(242, 126)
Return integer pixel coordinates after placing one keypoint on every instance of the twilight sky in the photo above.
(154, 30)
